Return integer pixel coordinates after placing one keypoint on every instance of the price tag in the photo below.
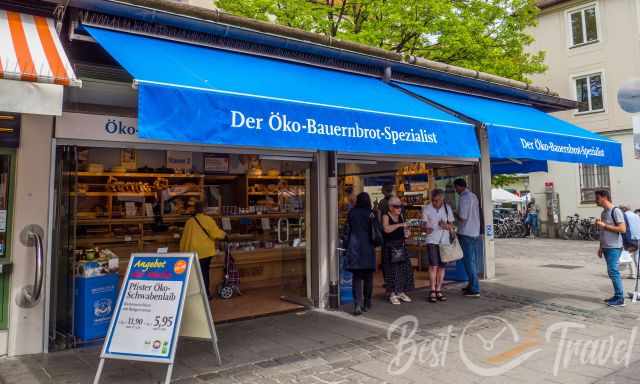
(128, 238)
(266, 224)
(226, 223)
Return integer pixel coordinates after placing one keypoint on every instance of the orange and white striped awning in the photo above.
(30, 50)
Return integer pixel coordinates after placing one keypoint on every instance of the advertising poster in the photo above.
(147, 318)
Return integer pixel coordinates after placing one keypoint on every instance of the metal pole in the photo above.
(486, 203)
(167, 379)
(96, 379)
(332, 231)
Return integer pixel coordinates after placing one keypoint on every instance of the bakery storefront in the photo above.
(254, 147)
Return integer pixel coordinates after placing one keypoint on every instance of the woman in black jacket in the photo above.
(360, 255)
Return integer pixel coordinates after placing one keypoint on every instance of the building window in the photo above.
(592, 178)
(589, 93)
(584, 26)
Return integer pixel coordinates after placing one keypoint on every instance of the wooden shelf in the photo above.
(292, 215)
(220, 177)
(263, 193)
(136, 174)
(133, 220)
(259, 178)
(115, 194)
(425, 173)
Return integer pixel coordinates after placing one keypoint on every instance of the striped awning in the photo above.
(30, 50)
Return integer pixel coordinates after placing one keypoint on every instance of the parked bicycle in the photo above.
(509, 225)
(576, 228)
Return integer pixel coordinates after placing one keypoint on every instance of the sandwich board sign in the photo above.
(162, 298)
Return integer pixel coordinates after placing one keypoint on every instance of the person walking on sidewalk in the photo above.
(360, 255)
(438, 219)
(612, 226)
(469, 232)
(399, 278)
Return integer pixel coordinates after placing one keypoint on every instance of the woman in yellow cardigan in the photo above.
(199, 236)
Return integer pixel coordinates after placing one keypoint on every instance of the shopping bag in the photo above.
(451, 252)
(625, 257)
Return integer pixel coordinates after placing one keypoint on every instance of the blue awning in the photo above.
(196, 94)
(519, 131)
(510, 166)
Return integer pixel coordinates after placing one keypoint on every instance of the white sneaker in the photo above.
(403, 296)
(394, 299)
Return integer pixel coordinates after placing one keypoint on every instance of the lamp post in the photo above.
(629, 101)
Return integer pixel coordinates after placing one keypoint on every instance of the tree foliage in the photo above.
(486, 35)
(501, 181)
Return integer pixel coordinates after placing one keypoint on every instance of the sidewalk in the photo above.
(539, 284)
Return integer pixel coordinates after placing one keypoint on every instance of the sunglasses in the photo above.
(396, 206)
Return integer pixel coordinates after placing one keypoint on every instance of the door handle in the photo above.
(29, 295)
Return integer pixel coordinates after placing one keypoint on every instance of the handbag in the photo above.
(375, 231)
(453, 251)
(399, 254)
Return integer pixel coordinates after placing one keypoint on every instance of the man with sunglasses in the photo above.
(468, 216)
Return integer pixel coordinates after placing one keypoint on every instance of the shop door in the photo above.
(291, 231)
(7, 166)
(61, 297)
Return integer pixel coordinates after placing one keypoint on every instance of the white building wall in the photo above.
(617, 56)
(31, 206)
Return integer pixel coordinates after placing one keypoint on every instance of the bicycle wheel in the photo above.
(594, 232)
(566, 231)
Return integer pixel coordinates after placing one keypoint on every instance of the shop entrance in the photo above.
(112, 202)
(412, 182)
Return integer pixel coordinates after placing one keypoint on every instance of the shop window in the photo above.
(589, 93)
(583, 24)
(593, 178)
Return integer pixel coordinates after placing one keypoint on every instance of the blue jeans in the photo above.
(470, 252)
(612, 257)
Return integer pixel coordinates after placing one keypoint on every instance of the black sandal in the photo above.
(433, 297)
(440, 296)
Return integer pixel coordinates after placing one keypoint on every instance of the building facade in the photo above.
(592, 48)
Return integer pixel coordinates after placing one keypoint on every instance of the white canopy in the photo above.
(499, 195)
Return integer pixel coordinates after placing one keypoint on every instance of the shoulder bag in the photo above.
(375, 230)
(398, 251)
(453, 251)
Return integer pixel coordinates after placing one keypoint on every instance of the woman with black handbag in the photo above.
(395, 255)
(360, 255)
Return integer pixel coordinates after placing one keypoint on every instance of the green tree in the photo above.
(501, 181)
(486, 35)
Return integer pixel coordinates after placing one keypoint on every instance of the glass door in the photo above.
(61, 305)
(7, 166)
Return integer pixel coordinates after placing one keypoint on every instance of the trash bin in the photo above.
(346, 282)
(455, 272)
(95, 301)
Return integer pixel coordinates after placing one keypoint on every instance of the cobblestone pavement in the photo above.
(541, 320)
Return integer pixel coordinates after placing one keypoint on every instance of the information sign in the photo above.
(149, 313)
